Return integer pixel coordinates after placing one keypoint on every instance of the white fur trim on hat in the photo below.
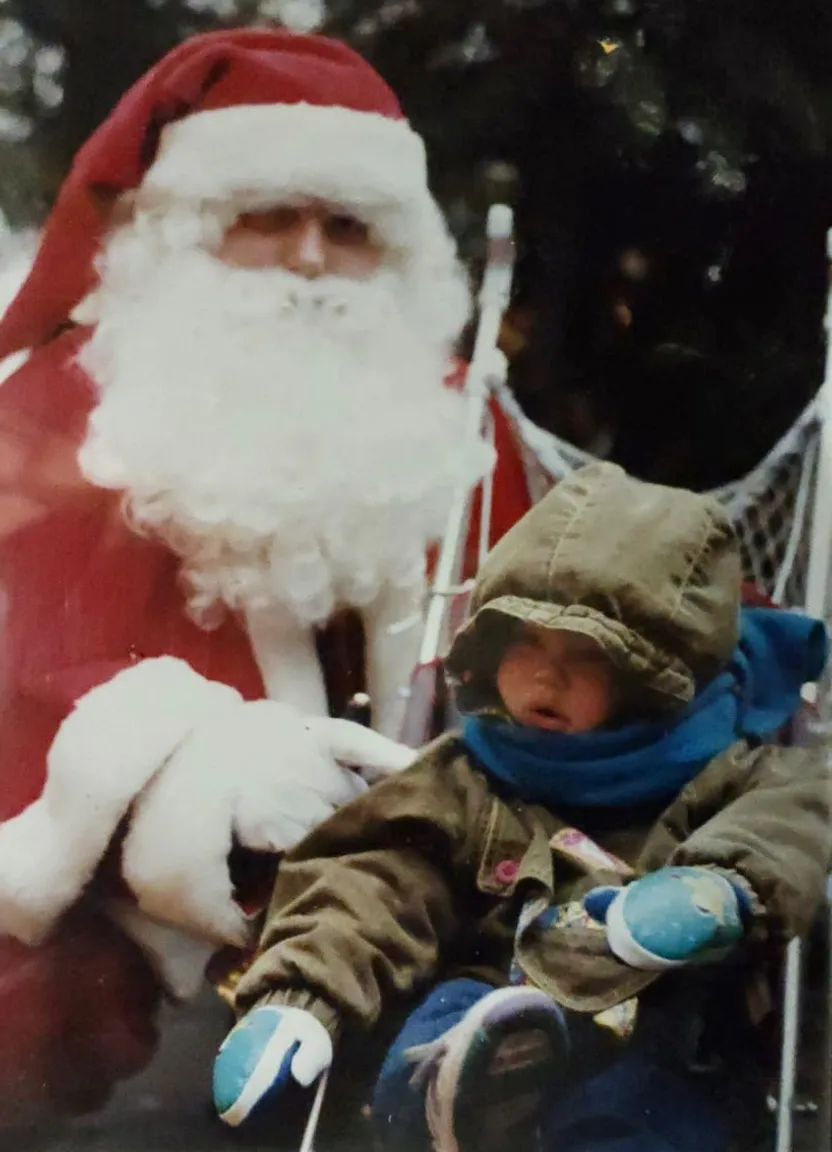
(260, 154)
(105, 753)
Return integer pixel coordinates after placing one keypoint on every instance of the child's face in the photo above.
(556, 680)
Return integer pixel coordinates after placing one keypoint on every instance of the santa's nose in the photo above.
(305, 248)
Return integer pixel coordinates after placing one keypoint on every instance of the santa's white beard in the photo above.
(291, 440)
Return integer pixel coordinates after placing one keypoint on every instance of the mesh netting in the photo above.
(771, 506)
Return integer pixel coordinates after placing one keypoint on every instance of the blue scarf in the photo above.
(754, 697)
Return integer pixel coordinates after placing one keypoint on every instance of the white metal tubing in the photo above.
(486, 505)
(308, 1142)
(820, 542)
(789, 1046)
(825, 1125)
(494, 297)
(817, 582)
(495, 290)
(445, 576)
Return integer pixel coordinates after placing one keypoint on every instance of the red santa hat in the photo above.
(242, 117)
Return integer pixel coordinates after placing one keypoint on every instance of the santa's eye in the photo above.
(342, 228)
(271, 220)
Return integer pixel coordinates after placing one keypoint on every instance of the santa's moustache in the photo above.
(292, 440)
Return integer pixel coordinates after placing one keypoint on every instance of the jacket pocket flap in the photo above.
(516, 849)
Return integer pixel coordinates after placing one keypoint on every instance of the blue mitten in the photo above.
(671, 917)
(269, 1048)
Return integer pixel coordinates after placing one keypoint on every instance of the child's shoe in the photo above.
(270, 1048)
(491, 1078)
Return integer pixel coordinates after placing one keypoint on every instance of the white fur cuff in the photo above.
(105, 753)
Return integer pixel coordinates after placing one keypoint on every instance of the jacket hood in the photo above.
(651, 574)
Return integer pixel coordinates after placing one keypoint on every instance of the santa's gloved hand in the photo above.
(270, 1048)
(675, 916)
(260, 773)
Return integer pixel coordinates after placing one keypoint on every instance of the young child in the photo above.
(556, 877)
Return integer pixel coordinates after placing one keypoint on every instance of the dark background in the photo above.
(668, 161)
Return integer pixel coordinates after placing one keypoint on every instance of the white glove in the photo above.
(271, 1046)
(369, 753)
(261, 771)
(197, 764)
(113, 743)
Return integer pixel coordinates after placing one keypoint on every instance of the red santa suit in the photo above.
(99, 654)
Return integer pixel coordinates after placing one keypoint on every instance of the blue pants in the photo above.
(633, 1103)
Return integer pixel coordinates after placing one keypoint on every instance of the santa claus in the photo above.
(233, 425)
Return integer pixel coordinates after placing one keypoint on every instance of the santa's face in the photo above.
(285, 428)
(309, 238)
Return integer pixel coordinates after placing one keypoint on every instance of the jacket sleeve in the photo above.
(363, 908)
(775, 831)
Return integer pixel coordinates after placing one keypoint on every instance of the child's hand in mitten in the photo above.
(675, 916)
(270, 1047)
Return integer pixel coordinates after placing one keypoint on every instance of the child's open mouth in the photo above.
(548, 718)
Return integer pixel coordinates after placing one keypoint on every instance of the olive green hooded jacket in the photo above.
(426, 875)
